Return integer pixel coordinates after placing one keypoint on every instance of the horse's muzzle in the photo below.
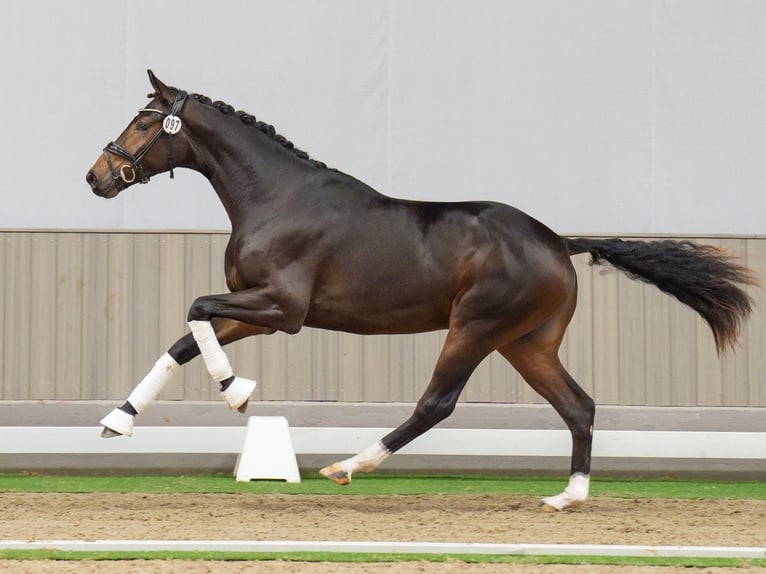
(108, 191)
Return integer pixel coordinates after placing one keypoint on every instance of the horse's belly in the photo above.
(385, 315)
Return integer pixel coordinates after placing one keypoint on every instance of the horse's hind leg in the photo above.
(459, 357)
(536, 358)
(120, 420)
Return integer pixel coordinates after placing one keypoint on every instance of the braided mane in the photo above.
(267, 129)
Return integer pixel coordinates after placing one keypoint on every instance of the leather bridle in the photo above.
(130, 172)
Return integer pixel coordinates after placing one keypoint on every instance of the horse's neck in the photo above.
(248, 171)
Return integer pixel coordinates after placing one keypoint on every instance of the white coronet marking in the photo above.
(119, 421)
(367, 460)
(216, 361)
(574, 494)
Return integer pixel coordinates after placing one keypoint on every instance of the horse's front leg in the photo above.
(120, 420)
(263, 309)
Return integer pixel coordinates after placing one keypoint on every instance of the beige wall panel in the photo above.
(171, 307)
(657, 362)
(428, 349)
(42, 317)
(297, 378)
(376, 368)
(606, 344)
(631, 353)
(403, 379)
(96, 370)
(734, 372)
(324, 366)
(479, 387)
(122, 330)
(17, 342)
(709, 366)
(5, 328)
(86, 315)
(69, 315)
(505, 384)
(409, 377)
(270, 369)
(144, 307)
(351, 371)
(754, 342)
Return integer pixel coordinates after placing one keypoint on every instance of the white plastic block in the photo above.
(268, 452)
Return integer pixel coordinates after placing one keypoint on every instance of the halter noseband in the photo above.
(128, 173)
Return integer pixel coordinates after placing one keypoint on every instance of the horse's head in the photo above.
(139, 152)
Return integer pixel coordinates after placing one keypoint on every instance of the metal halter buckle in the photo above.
(132, 171)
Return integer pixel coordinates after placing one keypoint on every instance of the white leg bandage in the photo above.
(149, 388)
(574, 494)
(143, 395)
(216, 361)
(367, 460)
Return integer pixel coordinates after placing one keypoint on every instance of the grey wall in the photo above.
(617, 117)
(641, 116)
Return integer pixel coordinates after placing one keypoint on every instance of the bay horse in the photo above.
(312, 246)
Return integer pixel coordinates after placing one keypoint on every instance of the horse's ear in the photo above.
(160, 89)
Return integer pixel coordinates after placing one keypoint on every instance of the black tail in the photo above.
(703, 277)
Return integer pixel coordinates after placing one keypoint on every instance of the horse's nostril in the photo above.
(91, 178)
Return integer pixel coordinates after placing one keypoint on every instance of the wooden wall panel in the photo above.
(17, 340)
(84, 315)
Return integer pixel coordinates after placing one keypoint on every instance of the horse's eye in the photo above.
(141, 126)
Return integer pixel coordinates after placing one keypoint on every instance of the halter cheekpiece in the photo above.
(130, 172)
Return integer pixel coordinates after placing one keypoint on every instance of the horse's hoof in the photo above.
(237, 393)
(335, 473)
(545, 507)
(243, 407)
(106, 432)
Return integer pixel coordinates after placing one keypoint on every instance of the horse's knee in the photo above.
(200, 310)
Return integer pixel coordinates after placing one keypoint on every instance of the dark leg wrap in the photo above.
(128, 408)
(226, 383)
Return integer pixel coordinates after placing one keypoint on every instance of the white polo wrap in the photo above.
(216, 361)
(149, 388)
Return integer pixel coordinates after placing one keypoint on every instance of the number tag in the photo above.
(172, 125)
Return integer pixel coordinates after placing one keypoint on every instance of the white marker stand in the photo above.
(268, 452)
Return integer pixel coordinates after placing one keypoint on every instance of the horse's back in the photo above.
(399, 265)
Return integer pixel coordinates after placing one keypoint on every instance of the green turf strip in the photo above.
(385, 485)
(372, 557)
